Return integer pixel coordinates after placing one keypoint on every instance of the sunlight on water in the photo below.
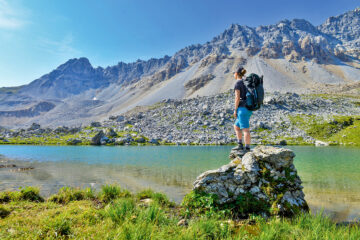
(330, 175)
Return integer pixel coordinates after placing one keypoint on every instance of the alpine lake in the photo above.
(330, 175)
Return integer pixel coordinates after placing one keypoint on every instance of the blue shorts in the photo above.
(243, 117)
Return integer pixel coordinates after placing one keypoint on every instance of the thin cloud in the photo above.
(61, 47)
(9, 17)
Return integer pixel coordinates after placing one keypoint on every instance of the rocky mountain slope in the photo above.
(293, 56)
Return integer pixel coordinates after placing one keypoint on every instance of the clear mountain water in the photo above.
(330, 175)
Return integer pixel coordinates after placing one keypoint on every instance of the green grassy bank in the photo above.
(115, 213)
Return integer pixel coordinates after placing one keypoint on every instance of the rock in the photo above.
(283, 143)
(154, 141)
(140, 140)
(104, 140)
(21, 169)
(236, 153)
(182, 222)
(96, 140)
(120, 118)
(265, 176)
(146, 201)
(8, 166)
(73, 141)
(109, 132)
(95, 124)
(321, 143)
(34, 126)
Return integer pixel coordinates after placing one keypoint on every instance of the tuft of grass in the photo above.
(59, 227)
(4, 212)
(111, 192)
(30, 194)
(68, 194)
(159, 198)
(120, 209)
(25, 194)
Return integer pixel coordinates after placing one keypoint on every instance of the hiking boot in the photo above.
(246, 150)
(238, 147)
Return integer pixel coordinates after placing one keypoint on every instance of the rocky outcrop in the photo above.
(197, 83)
(266, 176)
(36, 110)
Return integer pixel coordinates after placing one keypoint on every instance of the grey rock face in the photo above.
(266, 173)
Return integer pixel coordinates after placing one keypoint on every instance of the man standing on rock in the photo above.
(241, 113)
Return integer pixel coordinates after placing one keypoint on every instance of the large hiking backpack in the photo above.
(254, 92)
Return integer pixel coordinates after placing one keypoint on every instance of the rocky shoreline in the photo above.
(283, 120)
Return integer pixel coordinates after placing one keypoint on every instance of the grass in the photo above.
(337, 130)
(111, 214)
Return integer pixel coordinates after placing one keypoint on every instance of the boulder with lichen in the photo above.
(263, 181)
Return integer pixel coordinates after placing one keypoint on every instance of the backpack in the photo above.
(254, 92)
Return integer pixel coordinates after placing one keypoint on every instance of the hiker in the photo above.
(241, 113)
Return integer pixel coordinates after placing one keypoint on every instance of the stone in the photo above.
(110, 132)
(120, 118)
(95, 124)
(182, 222)
(140, 140)
(154, 141)
(73, 141)
(96, 140)
(261, 175)
(319, 143)
(34, 126)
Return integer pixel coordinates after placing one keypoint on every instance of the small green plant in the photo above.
(4, 212)
(29, 194)
(120, 209)
(60, 227)
(159, 198)
(68, 194)
(111, 192)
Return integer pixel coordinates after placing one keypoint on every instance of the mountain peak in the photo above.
(345, 27)
(83, 61)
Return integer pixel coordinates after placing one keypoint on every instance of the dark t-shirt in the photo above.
(239, 85)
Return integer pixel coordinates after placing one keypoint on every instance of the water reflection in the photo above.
(330, 175)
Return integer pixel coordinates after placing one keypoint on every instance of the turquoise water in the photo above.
(330, 175)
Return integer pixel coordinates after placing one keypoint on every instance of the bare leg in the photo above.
(247, 136)
(238, 132)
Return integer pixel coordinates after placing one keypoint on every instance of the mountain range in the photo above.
(293, 56)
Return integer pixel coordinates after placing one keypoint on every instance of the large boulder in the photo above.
(96, 140)
(263, 181)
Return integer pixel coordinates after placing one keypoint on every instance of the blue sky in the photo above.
(38, 35)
